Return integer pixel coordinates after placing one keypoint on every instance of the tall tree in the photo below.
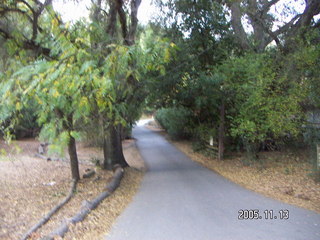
(258, 16)
(202, 33)
(120, 26)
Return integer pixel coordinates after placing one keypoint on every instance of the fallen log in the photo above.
(87, 206)
(89, 173)
(47, 217)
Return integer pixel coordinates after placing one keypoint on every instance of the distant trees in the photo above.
(200, 60)
(244, 86)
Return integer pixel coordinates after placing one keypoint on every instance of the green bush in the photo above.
(26, 124)
(177, 121)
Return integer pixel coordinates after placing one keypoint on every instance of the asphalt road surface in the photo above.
(179, 199)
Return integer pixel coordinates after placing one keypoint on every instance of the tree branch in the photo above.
(123, 19)
(237, 25)
(312, 8)
(111, 28)
(29, 45)
(134, 21)
(266, 7)
(27, 4)
(6, 10)
(286, 26)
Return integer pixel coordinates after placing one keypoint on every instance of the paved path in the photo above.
(179, 199)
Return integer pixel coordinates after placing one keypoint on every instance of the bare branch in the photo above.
(286, 27)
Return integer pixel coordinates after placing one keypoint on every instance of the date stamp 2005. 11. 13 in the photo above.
(256, 214)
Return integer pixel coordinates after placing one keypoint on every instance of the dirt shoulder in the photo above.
(283, 176)
(30, 187)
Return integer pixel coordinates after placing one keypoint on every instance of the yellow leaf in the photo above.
(54, 22)
(3, 152)
(56, 94)
(18, 106)
(167, 56)
(83, 101)
(7, 94)
(38, 100)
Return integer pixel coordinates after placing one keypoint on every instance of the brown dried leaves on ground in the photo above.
(284, 176)
(30, 187)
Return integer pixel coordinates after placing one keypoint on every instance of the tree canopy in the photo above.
(237, 71)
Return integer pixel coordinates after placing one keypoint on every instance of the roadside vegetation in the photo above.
(234, 77)
(249, 92)
(286, 175)
(245, 103)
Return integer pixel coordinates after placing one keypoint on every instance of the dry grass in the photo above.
(30, 187)
(280, 175)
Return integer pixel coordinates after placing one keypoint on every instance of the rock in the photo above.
(302, 196)
(288, 191)
(42, 149)
(88, 173)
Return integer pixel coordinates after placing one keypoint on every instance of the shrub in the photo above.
(177, 121)
(26, 124)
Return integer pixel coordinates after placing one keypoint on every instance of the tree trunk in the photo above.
(112, 148)
(119, 150)
(73, 159)
(72, 149)
(221, 131)
(108, 150)
(239, 31)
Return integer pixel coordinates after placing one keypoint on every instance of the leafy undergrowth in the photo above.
(283, 176)
(30, 187)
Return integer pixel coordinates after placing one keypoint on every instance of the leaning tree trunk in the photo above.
(72, 149)
(74, 164)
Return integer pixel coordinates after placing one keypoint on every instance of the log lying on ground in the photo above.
(53, 211)
(88, 206)
(89, 173)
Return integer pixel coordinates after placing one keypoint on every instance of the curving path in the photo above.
(179, 199)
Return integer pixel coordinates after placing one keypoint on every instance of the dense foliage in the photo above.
(253, 90)
(74, 76)
(207, 72)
